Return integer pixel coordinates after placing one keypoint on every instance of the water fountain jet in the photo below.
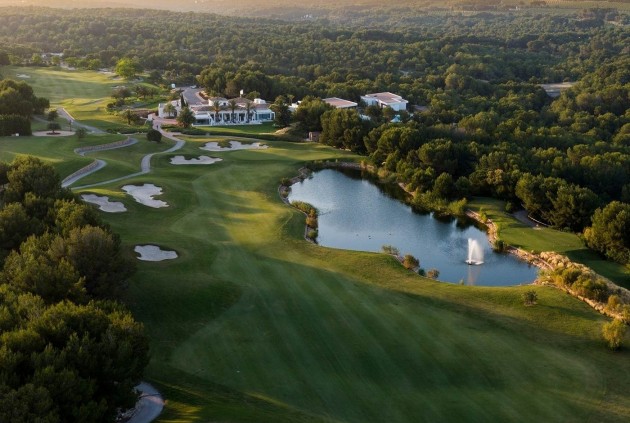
(475, 253)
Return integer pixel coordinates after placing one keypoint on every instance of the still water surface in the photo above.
(356, 214)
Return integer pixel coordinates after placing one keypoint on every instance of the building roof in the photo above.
(387, 97)
(339, 103)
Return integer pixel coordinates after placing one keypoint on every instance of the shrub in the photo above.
(81, 133)
(410, 262)
(591, 287)
(154, 135)
(390, 249)
(530, 297)
(499, 246)
(14, 124)
(614, 303)
(285, 182)
(312, 234)
(303, 207)
(192, 131)
(613, 333)
(433, 273)
(311, 221)
(483, 217)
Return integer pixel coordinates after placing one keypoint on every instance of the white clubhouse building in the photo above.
(385, 99)
(221, 111)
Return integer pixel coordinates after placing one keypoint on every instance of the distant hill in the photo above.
(337, 10)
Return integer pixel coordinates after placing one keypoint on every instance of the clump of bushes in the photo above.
(311, 218)
(580, 281)
(410, 262)
(499, 246)
(390, 249)
(433, 273)
(192, 131)
(613, 333)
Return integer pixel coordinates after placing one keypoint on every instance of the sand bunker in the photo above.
(104, 204)
(234, 145)
(22, 75)
(144, 194)
(201, 160)
(154, 253)
(50, 134)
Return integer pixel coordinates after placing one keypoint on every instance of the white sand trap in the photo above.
(144, 194)
(50, 134)
(154, 253)
(22, 75)
(234, 145)
(104, 204)
(201, 160)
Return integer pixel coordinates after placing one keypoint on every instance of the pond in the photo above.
(357, 214)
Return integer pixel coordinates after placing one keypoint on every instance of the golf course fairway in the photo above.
(252, 323)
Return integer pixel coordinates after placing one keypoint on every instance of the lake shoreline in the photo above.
(444, 260)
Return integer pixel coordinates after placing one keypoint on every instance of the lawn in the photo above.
(58, 151)
(84, 94)
(265, 131)
(252, 323)
(546, 239)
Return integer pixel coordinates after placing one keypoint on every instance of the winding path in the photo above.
(149, 406)
(145, 164)
(63, 113)
(96, 164)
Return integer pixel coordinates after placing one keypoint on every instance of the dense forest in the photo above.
(69, 351)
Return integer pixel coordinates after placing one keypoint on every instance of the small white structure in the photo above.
(174, 110)
(340, 103)
(385, 99)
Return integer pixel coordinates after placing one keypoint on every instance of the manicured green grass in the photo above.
(252, 323)
(84, 94)
(263, 128)
(264, 131)
(546, 239)
(58, 151)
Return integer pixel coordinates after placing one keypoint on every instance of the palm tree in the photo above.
(169, 109)
(216, 107)
(248, 110)
(232, 104)
(129, 115)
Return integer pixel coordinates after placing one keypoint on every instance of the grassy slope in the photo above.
(84, 94)
(59, 151)
(252, 323)
(546, 239)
